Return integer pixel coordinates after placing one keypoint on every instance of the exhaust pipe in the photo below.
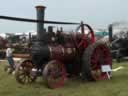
(110, 30)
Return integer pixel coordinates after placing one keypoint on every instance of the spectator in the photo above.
(10, 57)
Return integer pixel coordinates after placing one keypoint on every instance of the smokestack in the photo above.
(40, 26)
(110, 30)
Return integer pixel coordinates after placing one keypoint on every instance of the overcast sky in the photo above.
(97, 13)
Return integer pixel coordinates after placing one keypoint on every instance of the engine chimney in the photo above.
(40, 26)
(110, 30)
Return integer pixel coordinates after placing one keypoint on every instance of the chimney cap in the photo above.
(40, 6)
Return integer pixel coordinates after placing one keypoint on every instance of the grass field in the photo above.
(117, 86)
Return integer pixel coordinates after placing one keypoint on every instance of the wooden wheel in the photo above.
(23, 73)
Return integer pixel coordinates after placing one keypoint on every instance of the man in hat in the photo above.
(9, 56)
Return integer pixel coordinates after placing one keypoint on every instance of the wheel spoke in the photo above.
(21, 76)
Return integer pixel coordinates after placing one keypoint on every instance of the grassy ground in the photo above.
(117, 86)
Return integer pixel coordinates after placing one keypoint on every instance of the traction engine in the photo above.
(58, 55)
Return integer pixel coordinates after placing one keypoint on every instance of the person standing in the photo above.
(9, 56)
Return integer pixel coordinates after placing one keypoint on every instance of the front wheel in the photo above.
(23, 72)
(94, 57)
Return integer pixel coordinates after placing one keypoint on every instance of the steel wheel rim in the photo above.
(100, 56)
(56, 75)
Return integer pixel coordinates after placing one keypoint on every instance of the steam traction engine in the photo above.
(57, 55)
(119, 48)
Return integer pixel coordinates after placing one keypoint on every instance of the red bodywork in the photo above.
(73, 43)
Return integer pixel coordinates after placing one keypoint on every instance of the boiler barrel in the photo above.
(43, 54)
(62, 53)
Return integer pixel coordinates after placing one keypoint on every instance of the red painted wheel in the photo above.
(94, 57)
(54, 74)
(23, 72)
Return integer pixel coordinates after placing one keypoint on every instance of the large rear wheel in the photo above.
(94, 57)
